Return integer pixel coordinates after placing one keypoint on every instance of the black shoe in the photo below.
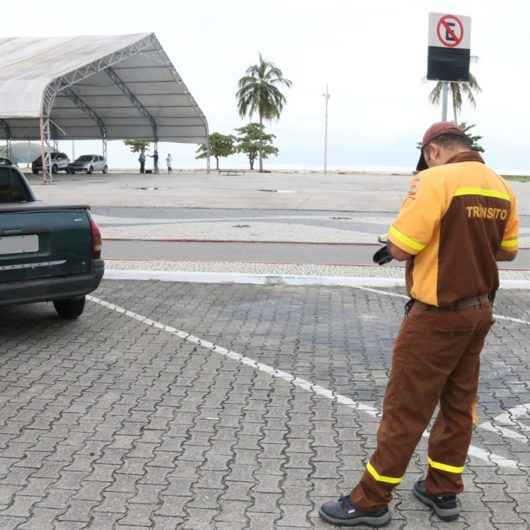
(343, 513)
(446, 507)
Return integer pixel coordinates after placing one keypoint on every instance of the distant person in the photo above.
(168, 163)
(154, 156)
(141, 159)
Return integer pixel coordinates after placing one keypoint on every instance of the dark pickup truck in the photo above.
(47, 253)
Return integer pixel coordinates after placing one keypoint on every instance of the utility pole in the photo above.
(326, 98)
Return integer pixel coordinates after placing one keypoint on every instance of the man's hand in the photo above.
(382, 256)
(399, 254)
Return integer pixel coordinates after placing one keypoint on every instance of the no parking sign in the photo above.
(449, 31)
(449, 47)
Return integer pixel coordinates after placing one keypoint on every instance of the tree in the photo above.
(221, 145)
(458, 90)
(259, 94)
(138, 146)
(474, 138)
(252, 139)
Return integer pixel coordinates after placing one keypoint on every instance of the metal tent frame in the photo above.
(113, 107)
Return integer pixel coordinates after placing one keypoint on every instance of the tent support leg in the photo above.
(104, 142)
(45, 149)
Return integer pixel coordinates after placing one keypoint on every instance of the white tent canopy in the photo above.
(94, 87)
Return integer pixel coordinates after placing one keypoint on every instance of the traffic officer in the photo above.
(457, 221)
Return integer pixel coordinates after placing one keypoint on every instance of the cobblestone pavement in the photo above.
(110, 422)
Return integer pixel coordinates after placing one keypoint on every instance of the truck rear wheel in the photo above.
(70, 309)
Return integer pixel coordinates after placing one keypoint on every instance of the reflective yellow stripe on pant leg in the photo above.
(446, 467)
(382, 478)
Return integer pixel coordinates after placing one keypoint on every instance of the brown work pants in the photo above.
(435, 362)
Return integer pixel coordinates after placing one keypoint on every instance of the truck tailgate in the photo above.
(44, 243)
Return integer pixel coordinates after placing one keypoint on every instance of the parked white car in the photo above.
(58, 161)
(89, 164)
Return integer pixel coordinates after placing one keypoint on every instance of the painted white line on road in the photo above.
(511, 419)
(319, 390)
(501, 431)
(397, 295)
(297, 381)
(386, 293)
(512, 319)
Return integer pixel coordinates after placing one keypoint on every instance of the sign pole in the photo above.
(445, 94)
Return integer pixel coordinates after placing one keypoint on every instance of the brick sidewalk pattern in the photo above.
(107, 423)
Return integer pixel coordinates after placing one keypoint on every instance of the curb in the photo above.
(251, 241)
(273, 279)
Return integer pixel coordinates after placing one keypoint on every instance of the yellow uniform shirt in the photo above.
(454, 220)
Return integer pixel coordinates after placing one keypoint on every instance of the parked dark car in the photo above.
(59, 162)
(47, 252)
(88, 164)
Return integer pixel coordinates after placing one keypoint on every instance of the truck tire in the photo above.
(105, 169)
(70, 308)
(90, 170)
(54, 168)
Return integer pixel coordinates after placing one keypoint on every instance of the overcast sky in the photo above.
(371, 53)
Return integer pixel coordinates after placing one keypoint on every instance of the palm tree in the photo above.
(259, 93)
(458, 89)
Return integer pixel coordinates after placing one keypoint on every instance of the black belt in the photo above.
(475, 301)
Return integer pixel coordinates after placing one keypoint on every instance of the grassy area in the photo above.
(518, 178)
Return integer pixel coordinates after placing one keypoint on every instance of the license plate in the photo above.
(19, 244)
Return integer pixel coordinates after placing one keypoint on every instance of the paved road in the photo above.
(346, 220)
(308, 191)
(317, 254)
(111, 422)
(193, 224)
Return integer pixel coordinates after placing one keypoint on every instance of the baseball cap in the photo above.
(433, 132)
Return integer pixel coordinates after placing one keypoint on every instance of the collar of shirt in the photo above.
(466, 156)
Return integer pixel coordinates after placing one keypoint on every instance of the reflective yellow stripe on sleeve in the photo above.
(510, 244)
(411, 243)
(446, 467)
(382, 478)
(483, 192)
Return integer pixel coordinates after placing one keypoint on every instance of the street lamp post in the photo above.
(326, 98)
